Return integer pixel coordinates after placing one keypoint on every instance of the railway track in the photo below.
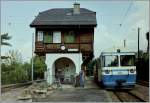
(143, 83)
(6, 88)
(127, 96)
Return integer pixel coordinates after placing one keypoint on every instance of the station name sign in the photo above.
(73, 50)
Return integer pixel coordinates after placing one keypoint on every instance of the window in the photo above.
(48, 37)
(127, 60)
(57, 37)
(102, 60)
(111, 61)
(70, 37)
(40, 36)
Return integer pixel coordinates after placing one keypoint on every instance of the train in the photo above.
(116, 69)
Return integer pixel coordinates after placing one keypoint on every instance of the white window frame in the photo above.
(57, 37)
(40, 36)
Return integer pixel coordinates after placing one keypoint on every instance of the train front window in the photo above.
(127, 60)
(111, 61)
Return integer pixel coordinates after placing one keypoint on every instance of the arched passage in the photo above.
(66, 68)
(76, 58)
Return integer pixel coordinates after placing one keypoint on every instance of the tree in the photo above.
(147, 37)
(90, 66)
(27, 68)
(13, 70)
(39, 67)
(88, 59)
(5, 37)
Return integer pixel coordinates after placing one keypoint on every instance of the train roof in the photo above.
(116, 50)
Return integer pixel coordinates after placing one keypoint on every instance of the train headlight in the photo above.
(107, 71)
(132, 70)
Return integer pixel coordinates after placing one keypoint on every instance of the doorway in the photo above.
(66, 68)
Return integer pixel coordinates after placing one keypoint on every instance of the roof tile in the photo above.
(65, 16)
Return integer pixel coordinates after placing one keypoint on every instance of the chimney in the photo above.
(76, 9)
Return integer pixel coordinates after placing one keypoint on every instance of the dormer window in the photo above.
(40, 36)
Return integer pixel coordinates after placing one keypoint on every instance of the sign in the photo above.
(73, 50)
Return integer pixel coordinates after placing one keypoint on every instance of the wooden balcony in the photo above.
(56, 47)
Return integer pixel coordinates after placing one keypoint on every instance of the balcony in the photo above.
(56, 47)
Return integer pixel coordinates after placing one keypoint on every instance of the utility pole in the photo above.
(0, 65)
(138, 43)
(138, 65)
(124, 43)
(32, 57)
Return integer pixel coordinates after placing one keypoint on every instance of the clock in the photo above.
(62, 47)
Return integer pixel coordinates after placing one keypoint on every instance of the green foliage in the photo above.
(91, 64)
(145, 57)
(88, 59)
(13, 69)
(5, 37)
(147, 36)
(39, 66)
(4, 57)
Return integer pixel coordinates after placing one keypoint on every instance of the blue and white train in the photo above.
(117, 69)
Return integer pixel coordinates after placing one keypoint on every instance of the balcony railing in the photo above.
(56, 47)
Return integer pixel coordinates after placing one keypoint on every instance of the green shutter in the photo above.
(69, 38)
(48, 38)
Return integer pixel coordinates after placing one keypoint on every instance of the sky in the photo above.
(16, 17)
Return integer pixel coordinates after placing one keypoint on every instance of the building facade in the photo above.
(65, 38)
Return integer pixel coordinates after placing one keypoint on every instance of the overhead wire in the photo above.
(125, 15)
(124, 18)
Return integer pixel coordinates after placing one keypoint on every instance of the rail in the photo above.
(5, 88)
(127, 96)
(143, 83)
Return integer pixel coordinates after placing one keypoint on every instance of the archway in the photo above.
(66, 68)
(76, 58)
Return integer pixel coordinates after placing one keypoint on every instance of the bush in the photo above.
(13, 70)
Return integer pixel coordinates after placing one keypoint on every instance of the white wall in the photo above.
(51, 58)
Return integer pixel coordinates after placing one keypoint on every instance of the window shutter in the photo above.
(70, 38)
(48, 38)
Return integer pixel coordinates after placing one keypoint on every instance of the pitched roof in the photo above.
(65, 16)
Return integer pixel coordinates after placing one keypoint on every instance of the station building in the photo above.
(65, 38)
